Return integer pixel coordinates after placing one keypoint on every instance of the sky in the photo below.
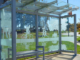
(76, 3)
(77, 12)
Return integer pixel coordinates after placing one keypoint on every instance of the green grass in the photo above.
(21, 47)
(69, 45)
(78, 39)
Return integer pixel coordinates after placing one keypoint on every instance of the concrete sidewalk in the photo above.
(63, 56)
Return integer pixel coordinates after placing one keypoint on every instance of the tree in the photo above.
(78, 27)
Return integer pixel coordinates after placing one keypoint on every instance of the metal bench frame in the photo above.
(34, 52)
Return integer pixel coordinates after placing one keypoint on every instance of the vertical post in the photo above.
(13, 29)
(75, 35)
(0, 2)
(60, 34)
(67, 1)
(0, 35)
(0, 30)
(68, 27)
(57, 2)
(68, 19)
(36, 34)
(36, 31)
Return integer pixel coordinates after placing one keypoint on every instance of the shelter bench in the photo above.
(27, 53)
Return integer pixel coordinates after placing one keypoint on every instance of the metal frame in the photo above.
(60, 34)
(68, 19)
(13, 29)
(35, 13)
(5, 4)
(36, 35)
(75, 38)
(13, 2)
(0, 31)
(0, 35)
(75, 35)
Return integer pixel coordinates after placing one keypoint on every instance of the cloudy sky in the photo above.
(74, 3)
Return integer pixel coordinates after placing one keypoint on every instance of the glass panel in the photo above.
(67, 31)
(6, 35)
(25, 34)
(48, 28)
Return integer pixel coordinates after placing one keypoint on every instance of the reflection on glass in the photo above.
(25, 34)
(48, 33)
(67, 31)
(6, 27)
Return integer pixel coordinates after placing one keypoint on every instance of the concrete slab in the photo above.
(63, 56)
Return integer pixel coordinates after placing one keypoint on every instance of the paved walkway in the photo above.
(63, 56)
(71, 33)
(78, 43)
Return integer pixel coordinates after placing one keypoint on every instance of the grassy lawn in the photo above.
(78, 39)
(31, 46)
(69, 46)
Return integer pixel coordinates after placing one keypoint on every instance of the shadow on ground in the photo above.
(63, 56)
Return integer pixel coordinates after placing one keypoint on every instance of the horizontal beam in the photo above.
(33, 13)
(27, 3)
(53, 9)
(5, 4)
(45, 4)
(67, 16)
(67, 51)
(35, 54)
(64, 11)
(62, 7)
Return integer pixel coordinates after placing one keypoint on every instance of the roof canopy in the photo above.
(53, 7)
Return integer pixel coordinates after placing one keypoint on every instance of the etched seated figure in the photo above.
(54, 35)
(6, 23)
(44, 32)
(27, 30)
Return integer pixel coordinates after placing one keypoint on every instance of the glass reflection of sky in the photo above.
(24, 20)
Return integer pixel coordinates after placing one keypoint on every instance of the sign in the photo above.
(70, 13)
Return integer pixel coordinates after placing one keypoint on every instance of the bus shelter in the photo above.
(26, 24)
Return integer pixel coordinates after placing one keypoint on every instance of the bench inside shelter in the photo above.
(27, 53)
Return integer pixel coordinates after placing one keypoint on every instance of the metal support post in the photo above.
(68, 26)
(68, 19)
(0, 31)
(13, 29)
(75, 36)
(0, 2)
(0, 35)
(36, 31)
(67, 1)
(60, 33)
(36, 34)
